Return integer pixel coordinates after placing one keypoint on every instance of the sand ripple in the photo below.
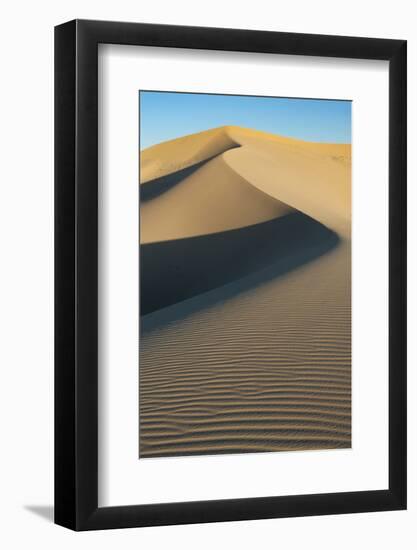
(266, 370)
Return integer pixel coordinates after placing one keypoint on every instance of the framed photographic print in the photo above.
(230, 275)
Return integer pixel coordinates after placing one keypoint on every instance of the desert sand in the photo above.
(245, 294)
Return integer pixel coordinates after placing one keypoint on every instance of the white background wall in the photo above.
(26, 289)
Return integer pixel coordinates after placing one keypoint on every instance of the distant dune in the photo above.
(245, 294)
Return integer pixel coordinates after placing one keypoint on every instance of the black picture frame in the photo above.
(76, 272)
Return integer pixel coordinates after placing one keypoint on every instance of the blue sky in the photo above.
(168, 115)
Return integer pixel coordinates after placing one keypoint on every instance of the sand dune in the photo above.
(245, 295)
(311, 177)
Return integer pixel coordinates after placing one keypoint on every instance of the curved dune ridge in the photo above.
(245, 294)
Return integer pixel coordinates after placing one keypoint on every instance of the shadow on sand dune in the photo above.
(153, 188)
(175, 271)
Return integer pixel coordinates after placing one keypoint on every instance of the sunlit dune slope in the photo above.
(312, 177)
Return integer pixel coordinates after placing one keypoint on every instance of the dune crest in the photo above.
(176, 154)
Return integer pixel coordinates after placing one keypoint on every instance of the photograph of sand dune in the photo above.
(245, 274)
